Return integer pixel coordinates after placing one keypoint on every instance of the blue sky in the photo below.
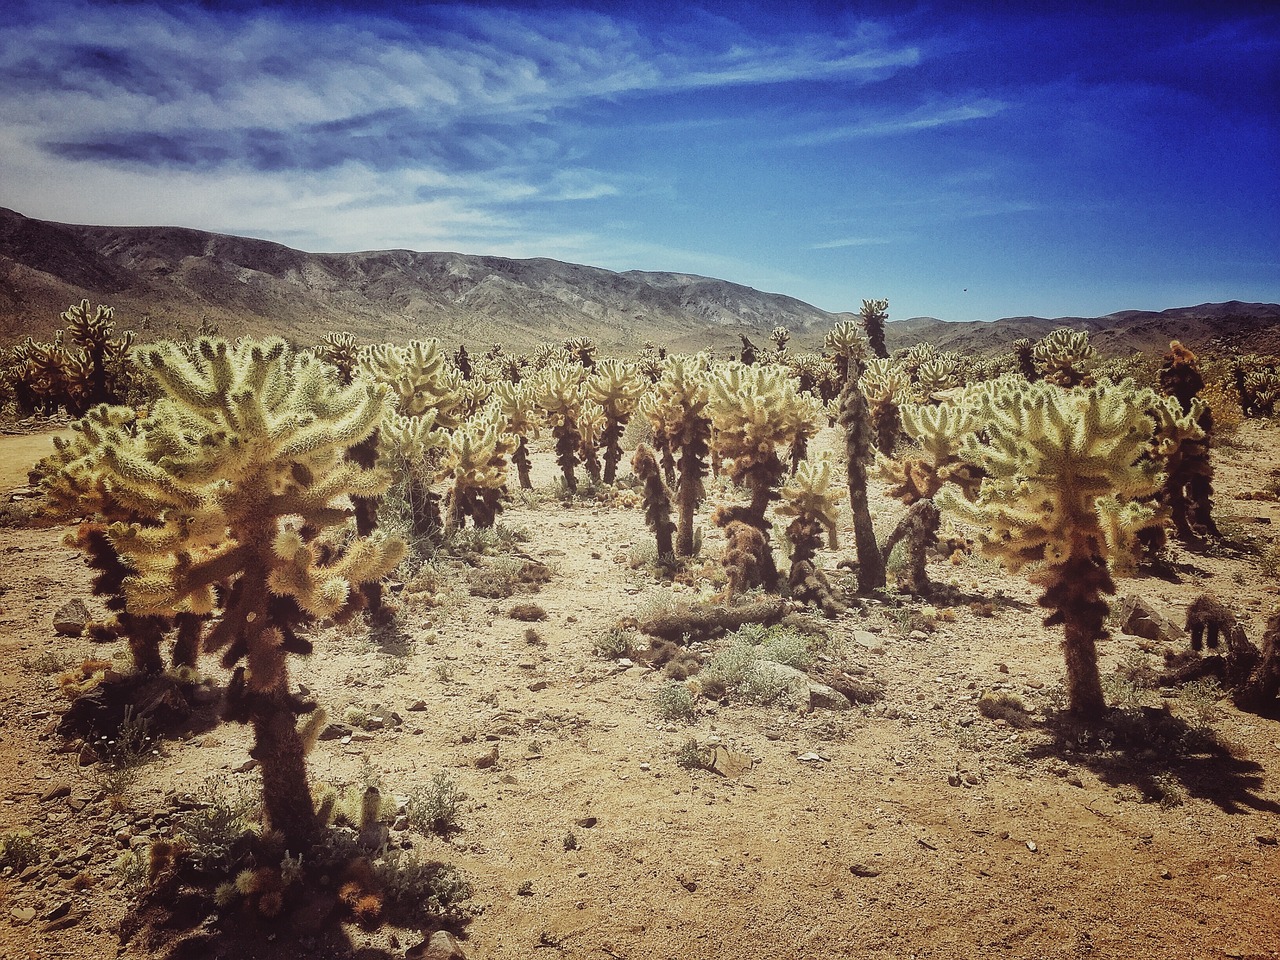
(963, 161)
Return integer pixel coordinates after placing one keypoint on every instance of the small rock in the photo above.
(65, 921)
(71, 618)
(586, 822)
(538, 686)
(22, 914)
(57, 791)
(1266, 839)
(487, 760)
(401, 823)
(311, 917)
(87, 756)
(1139, 619)
(730, 763)
(61, 910)
(1031, 845)
(418, 706)
(335, 731)
(245, 767)
(1165, 874)
(862, 870)
(442, 946)
(822, 697)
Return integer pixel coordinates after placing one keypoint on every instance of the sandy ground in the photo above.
(910, 827)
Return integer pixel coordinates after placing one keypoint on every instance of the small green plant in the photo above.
(212, 828)
(46, 663)
(693, 756)
(443, 671)
(435, 807)
(1269, 562)
(420, 892)
(131, 870)
(1167, 791)
(19, 850)
(525, 889)
(570, 841)
(674, 702)
(615, 644)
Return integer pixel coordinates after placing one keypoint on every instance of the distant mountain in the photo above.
(164, 281)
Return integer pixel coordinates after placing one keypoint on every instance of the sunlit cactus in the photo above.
(855, 420)
(581, 350)
(591, 427)
(780, 337)
(237, 474)
(418, 380)
(617, 387)
(1182, 445)
(1065, 358)
(874, 314)
(1065, 472)
(1261, 392)
(676, 408)
(519, 406)
(560, 394)
(807, 498)
(884, 385)
(937, 374)
(96, 370)
(475, 465)
(845, 345)
(754, 411)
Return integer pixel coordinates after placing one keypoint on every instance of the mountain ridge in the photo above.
(166, 281)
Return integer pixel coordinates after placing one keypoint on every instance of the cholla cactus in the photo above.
(475, 464)
(873, 314)
(1260, 393)
(1065, 474)
(1024, 357)
(657, 503)
(808, 499)
(418, 380)
(1181, 445)
(519, 407)
(617, 387)
(339, 350)
(1065, 358)
(237, 473)
(939, 373)
(855, 418)
(780, 337)
(560, 393)
(1180, 375)
(582, 350)
(95, 370)
(591, 428)
(753, 411)
(846, 347)
(884, 385)
(916, 478)
(677, 410)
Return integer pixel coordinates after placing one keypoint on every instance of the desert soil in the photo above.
(910, 827)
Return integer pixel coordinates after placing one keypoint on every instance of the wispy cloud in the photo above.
(852, 242)
(915, 121)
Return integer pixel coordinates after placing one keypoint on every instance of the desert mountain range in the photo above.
(166, 281)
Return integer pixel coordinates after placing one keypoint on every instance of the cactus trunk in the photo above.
(279, 749)
(1074, 591)
(856, 422)
(521, 459)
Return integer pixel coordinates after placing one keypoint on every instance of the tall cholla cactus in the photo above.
(808, 499)
(1064, 474)
(97, 374)
(476, 465)
(1065, 358)
(938, 373)
(1181, 445)
(560, 394)
(780, 337)
(884, 385)
(676, 408)
(754, 410)
(617, 387)
(874, 314)
(1023, 356)
(855, 419)
(238, 472)
(915, 479)
(845, 346)
(519, 408)
(591, 427)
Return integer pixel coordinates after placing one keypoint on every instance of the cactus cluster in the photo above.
(676, 409)
(81, 367)
(874, 314)
(1065, 358)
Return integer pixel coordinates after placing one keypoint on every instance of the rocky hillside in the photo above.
(166, 281)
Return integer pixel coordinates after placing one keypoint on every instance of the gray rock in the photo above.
(822, 697)
(442, 946)
(1139, 619)
(71, 618)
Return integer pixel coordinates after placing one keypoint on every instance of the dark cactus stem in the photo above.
(748, 351)
(689, 489)
(1180, 375)
(1023, 354)
(186, 648)
(281, 754)
(1259, 693)
(424, 510)
(365, 454)
(763, 480)
(567, 443)
(657, 501)
(1074, 591)
(920, 530)
(857, 431)
(886, 423)
(521, 459)
(662, 447)
(612, 441)
(799, 450)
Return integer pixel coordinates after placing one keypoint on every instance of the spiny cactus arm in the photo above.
(809, 495)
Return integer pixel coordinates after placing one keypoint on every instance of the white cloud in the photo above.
(925, 118)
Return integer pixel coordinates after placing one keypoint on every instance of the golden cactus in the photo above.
(617, 387)
(475, 464)
(1065, 358)
(676, 408)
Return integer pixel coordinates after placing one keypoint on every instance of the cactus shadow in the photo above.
(1161, 756)
(388, 633)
